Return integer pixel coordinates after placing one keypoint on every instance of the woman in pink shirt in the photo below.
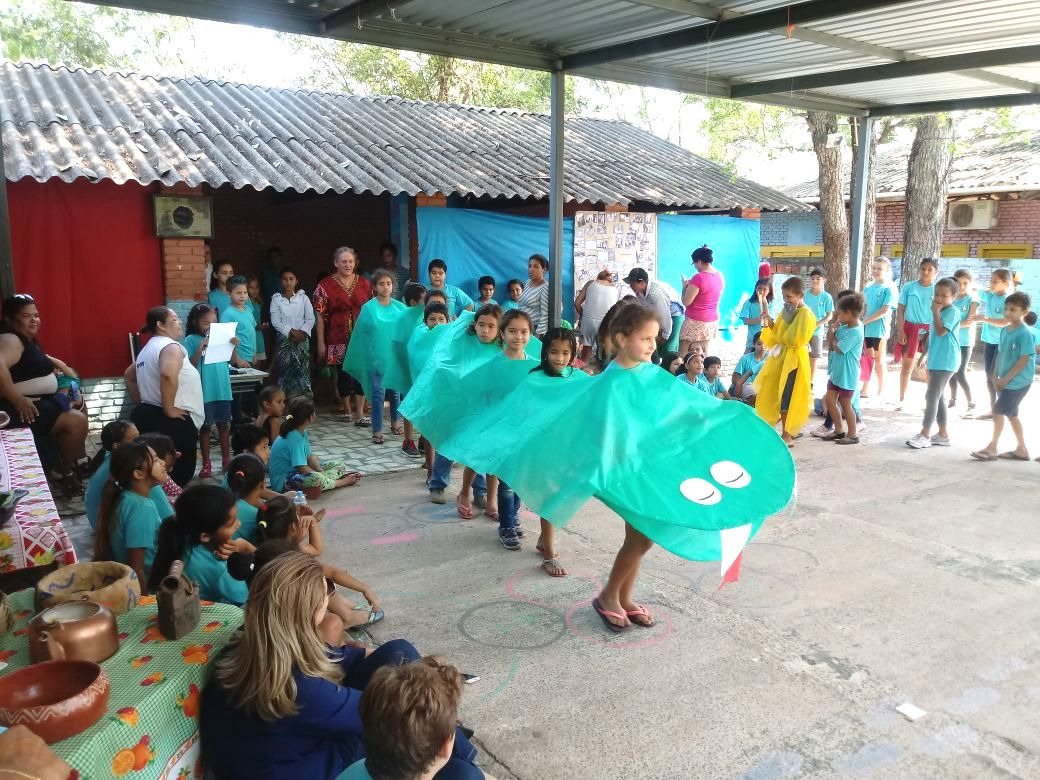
(700, 296)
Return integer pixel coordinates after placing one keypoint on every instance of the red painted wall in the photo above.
(88, 254)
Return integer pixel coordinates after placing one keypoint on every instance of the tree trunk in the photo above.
(928, 175)
(870, 209)
(832, 200)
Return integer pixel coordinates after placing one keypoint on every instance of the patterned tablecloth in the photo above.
(151, 728)
(35, 535)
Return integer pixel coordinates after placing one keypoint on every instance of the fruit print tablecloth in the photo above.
(35, 535)
(151, 728)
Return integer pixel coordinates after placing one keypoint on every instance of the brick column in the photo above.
(743, 213)
(432, 200)
(183, 265)
(616, 208)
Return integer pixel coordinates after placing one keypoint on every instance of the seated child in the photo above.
(694, 369)
(711, 378)
(245, 479)
(113, 435)
(127, 518)
(746, 371)
(272, 407)
(278, 519)
(515, 289)
(293, 466)
(165, 494)
(486, 285)
(409, 714)
(201, 534)
(672, 363)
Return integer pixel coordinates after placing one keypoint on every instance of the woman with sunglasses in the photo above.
(28, 393)
(282, 704)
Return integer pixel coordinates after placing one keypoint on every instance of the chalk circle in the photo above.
(756, 589)
(512, 625)
(425, 512)
(532, 585)
(629, 639)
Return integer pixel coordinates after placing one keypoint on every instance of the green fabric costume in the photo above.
(370, 348)
(680, 466)
(398, 375)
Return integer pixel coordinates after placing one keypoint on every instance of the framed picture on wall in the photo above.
(183, 216)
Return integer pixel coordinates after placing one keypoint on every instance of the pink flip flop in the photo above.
(466, 513)
(605, 617)
(640, 612)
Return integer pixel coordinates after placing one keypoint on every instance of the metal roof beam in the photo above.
(272, 15)
(962, 104)
(727, 29)
(894, 70)
(359, 10)
(702, 11)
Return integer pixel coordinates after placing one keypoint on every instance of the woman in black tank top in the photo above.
(27, 393)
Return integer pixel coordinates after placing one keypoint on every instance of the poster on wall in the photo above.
(616, 241)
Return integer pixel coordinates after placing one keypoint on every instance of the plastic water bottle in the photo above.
(299, 501)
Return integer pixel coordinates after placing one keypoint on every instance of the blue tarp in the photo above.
(474, 243)
(734, 244)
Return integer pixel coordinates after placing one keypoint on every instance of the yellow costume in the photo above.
(793, 340)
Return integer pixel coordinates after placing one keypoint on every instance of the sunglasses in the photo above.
(330, 587)
(24, 297)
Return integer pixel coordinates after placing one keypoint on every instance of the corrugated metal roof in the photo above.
(125, 127)
(988, 164)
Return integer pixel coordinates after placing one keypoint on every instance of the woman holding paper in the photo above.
(167, 389)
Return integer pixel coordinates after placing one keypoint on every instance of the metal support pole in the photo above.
(6, 260)
(556, 197)
(859, 199)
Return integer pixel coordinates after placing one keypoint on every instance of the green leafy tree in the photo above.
(60, 32)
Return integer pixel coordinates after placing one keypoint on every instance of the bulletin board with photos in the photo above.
(617, 241)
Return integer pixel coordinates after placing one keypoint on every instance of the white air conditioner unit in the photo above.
(972, 215)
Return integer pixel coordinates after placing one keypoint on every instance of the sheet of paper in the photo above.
(910, 712)
(220, 347)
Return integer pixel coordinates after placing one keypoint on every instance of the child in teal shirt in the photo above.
(845, 349)
(1015, 367)
(113, 435)
(292, 466)
(127, 518)
(746, 371)
(515, 289)
(245, 479)
(821, 304)
(944, 357)
(256, 305)
(216, 385)
(241, 313)
(201, 534)
(218, 296)
(711, 381)
(991, 315)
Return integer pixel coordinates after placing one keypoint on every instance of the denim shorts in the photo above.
(1008, 401)
(217, 412)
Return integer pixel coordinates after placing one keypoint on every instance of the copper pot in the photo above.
(75, 631)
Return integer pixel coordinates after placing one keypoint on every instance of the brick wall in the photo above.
(779, 228)
(307, 228)
(106, 401)
(1018, 222)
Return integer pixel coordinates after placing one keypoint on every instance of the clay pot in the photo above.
(75, 630)
(312, 493)
(109, 583)
(55, 699)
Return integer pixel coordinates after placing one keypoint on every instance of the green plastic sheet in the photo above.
(371, 347)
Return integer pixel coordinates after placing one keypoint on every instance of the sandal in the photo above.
(374, 616)
(491, 516)
(553, 567)
(465, 512)
(983, 456)
(833, 437)
(1012, 455)
(605, 617)
(397, 430)
(377, 438)
(70, 485)
(640, 616)
(363, 422)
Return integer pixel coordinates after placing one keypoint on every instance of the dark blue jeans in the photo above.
(378, 396)
(508, 509)
(395, 653)
(440, 476)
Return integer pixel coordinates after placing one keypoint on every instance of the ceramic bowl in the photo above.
(312, 493)
(54, 699)
(109, 583)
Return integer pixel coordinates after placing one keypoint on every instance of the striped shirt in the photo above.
(534, 301)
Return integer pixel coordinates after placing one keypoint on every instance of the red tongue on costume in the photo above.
(733, 542)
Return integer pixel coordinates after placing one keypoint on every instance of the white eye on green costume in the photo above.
(727, 473)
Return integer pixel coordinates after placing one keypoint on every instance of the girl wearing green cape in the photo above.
(370, 351)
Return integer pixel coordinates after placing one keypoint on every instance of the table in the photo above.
(247, 379)
(151, 727)
(34, 536)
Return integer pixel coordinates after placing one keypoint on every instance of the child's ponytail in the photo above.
(126, 459)
(201, 509)
(112, 436)
(245, 473)
(300, 411)
(275, 519)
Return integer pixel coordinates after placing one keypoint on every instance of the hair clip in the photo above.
(240, 473)
(262, 523)
(288, 417)
(263, 505)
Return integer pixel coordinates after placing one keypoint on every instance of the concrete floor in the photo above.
(897, 576)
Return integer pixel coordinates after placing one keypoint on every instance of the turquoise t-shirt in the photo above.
(1013, 345)
(95, 487)
(749, 363)
(918, 302)
(215, 584)
(965, 336)
(714, 386)
(751, 310)
(136, 525)
(843, 366)
(992, 306)
(287, 453)
(161, 502)
(247, 521)
(702, 384)
(944, 352)
(356, 771)
(258, 311)
(878, 295)
(245, 330)
(219, 301)
(216, 377)
(510, 304)
(820, 305)
(457, 299)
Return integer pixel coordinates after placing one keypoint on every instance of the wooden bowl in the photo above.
(54, 699)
